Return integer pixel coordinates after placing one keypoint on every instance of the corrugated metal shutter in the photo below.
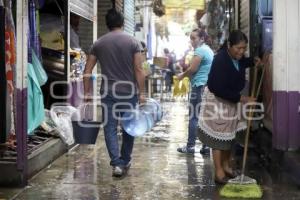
(244, 26)
(103, 6)
(119, 5)
(129, 16)
(85, 34)
(244, 17)
(84, 8)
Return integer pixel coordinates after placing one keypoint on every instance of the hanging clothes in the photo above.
(36, 74)
(3, 132)
(10, 63)
(34, 41)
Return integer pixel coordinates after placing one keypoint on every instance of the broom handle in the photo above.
(260, 82)
(251, 115)
(247, 140)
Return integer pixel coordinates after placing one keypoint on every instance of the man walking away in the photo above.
(121, 88)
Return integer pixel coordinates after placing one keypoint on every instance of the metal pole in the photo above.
(67, 44)
(21, 87)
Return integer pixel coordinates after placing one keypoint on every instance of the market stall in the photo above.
(44, 58)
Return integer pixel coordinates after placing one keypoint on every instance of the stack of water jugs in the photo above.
(138, 121)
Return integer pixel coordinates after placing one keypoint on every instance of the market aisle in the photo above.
(157, 171)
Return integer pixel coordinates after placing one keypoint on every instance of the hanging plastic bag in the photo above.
(61, 115)
(185, 86)
(176, 90)
(84, 112)
(39, 70)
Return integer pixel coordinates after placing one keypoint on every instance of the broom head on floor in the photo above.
(241, 187)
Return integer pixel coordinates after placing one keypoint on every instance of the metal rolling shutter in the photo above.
(129, 16)
(85, 34)
(84, 8)
(244, 25)
(119, 5)
(103, 6)
(244, 16)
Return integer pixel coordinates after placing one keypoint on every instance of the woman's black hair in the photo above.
(235, 37)
(114, 19)
(201, 33)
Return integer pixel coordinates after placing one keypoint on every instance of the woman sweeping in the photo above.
(219, 119)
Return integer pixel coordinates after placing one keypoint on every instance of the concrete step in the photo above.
(37, 160)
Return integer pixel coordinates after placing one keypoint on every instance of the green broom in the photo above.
(243, 186)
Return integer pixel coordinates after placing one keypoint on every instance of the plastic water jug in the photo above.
(150, 121)
(155, 107)
(142, 119)
(135, 122)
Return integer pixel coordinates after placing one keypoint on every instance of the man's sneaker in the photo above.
(186, 149)
(118, 171)
(205, 150)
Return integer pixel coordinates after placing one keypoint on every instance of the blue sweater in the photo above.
(224, 80)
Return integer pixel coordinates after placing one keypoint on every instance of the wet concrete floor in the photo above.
(158, 171)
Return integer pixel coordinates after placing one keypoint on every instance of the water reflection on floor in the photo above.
(158, 171)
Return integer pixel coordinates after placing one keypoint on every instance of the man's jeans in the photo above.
(194, 111)
(113, 107)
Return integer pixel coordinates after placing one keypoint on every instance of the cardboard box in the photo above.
(160, 61)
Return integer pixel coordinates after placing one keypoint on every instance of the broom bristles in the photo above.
(241, 191)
